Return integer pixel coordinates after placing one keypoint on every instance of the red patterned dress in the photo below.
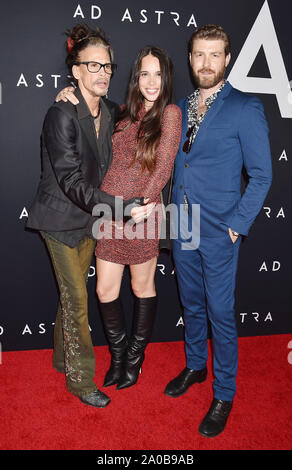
(135, 244)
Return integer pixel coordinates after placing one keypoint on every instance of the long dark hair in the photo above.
(80, 37)
(150, 128)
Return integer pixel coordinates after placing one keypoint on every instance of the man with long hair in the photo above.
(76, 154)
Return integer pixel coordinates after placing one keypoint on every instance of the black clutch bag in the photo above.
(165, 243)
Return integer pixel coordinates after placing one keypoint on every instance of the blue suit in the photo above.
(233, 135)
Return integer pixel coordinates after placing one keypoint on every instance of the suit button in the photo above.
(180, 186)
(186, 165)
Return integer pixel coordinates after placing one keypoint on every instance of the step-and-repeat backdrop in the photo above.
(33, 70)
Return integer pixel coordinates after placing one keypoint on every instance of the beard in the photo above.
(209, 81)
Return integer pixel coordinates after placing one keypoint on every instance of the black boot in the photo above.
(114, 326)
(143, 320)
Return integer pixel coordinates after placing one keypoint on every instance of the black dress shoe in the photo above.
(216, 418)
(96, 398)
(184, 380)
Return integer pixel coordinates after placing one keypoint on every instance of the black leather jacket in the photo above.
(74, 164)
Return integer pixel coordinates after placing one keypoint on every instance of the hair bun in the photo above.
(79, 32)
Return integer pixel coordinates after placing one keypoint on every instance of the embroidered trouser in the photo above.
(73, 349)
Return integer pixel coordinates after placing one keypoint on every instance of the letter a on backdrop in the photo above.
(263, 34)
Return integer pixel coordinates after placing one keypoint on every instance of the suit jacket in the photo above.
(233, 135)
(74, 164)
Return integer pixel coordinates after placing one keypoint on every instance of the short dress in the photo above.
(125, 243)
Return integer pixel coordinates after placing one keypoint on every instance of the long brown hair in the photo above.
(150, 128)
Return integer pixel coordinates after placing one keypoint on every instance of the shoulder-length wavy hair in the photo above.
(150, 128)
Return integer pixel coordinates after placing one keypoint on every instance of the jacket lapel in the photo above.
(104, 123)
(212, 112)
(86, 122)
(184, 122)
(184, 109)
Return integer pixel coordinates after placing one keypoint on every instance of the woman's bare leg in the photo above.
(142, 278)
(109, 279)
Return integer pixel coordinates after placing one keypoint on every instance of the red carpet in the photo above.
(38, 413)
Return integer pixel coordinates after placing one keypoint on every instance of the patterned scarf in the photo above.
(193, 119)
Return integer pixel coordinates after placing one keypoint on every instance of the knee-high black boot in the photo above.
(143, 321)
(114, 326)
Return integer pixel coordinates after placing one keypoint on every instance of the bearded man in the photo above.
(223, 131)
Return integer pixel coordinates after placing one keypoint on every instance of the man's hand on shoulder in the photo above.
(67, 94)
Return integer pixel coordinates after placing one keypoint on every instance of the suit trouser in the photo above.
(206, 280)
(73, 349)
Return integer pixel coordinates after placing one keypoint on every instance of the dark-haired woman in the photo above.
(145, 143)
